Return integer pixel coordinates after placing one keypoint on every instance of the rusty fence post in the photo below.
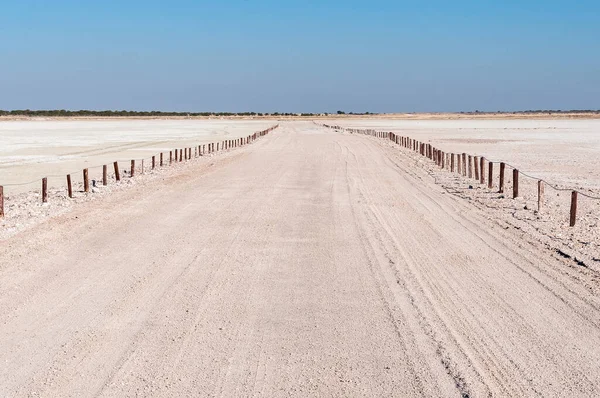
(515, 183)
(153, 162)
(132, 168)
(44, 190)
(117, 174)
(86, 180)
(470, 166)
(161, 159)
(69, 186)
(482, 170)
(105, 175)
(540, 195)
(573, 214)
(502, 167)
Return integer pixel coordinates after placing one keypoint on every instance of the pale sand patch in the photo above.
(560, 151)
(33, 149)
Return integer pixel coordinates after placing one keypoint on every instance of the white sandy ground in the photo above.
(562, 151)
(33, 149)
(311, 263)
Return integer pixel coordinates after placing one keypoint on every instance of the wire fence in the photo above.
(500, 177)
(90, 179)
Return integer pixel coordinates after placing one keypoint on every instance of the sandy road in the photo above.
(311, 263)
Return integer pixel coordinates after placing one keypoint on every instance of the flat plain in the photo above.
(563, 151)
(33, 149)
(310, 263)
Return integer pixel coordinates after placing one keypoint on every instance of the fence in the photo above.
(119, 167)
(481, 170)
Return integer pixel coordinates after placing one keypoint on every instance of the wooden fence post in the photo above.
(132, 167)
(1, 201)
(452, 162)
(153, 162)
(482, 170)
(69, 186)
(86, 181)
(476, 166)
(573, 209)
(181, 155)
(502, 167)
(490, 174)
(161, 159)
(44, 190)
(470, 166)
(117, 175)
(540, 195)
(104, 175)
(464, 164)
(515, 183)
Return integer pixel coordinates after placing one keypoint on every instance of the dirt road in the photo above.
(311, 263)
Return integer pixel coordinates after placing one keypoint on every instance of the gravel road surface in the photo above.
(311, 263)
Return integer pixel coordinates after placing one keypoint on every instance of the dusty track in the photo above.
(310, 263)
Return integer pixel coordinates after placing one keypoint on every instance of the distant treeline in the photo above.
(108, 113)
(62, 112)
(533, 112)
(66, 113)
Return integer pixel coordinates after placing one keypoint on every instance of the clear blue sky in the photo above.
(305, 56)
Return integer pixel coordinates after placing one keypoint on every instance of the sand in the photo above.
(311, 263)
(561, 151)
(33, 149)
